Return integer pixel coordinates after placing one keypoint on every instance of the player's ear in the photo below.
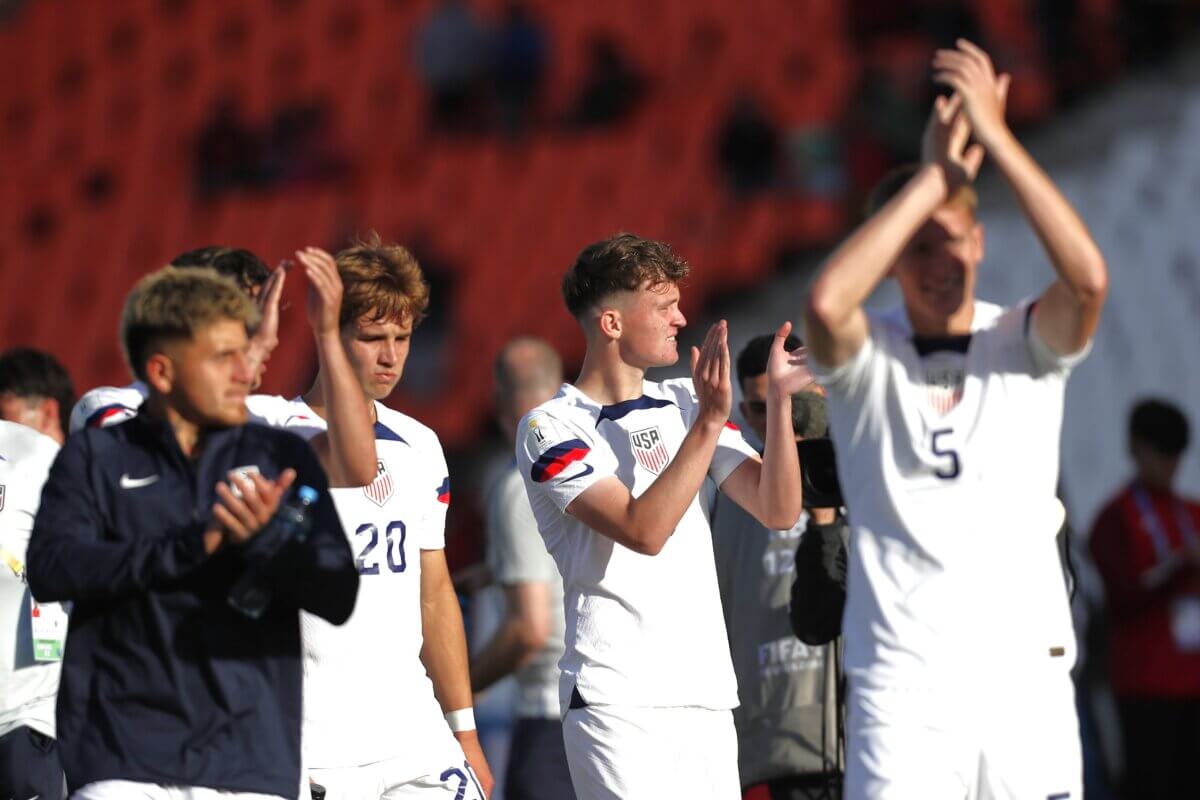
(160, 372)
(610, 323)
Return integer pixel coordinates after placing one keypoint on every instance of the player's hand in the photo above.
(266, 337)
(469, 740)
(969, 72)
(787, 372)
(944, 143)
(710, 375)
(241, 516)
(324, 290)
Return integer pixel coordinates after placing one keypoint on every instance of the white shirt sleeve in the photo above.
(847, 379)
(438, 494)
(732, 450)
(104, 406)
(1045, 359)
(559, 459)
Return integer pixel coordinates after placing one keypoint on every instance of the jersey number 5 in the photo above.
(394, 536)
(951, 469)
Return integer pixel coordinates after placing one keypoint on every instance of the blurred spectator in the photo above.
(748, 147)
(35, 390)
(1146, 544)
(610, 90)
(520, 67)
(529, 641)
(228, 151)
(451, 57)
(301, 147)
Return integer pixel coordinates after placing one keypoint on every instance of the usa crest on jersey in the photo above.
(380, 490)
(649, 450)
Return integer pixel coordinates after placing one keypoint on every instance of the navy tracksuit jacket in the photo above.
(162, 681)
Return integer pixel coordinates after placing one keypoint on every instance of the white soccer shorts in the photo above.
(627, 753)
(135, 790)
(392, 780)
(1013, 741)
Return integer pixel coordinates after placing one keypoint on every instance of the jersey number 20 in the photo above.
(394, 536)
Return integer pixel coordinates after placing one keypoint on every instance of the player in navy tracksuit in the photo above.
(144, 526)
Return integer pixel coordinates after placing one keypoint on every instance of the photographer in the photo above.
(786, 723)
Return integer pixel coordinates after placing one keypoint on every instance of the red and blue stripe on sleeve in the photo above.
(443, 492)
(556, 459)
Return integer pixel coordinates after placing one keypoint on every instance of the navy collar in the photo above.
(933, 344)
(618, 410)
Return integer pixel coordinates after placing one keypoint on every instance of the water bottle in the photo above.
(251, 592)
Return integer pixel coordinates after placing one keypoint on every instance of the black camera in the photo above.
(818, 468)
(818, 474)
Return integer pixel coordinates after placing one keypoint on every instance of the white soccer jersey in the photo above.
(107, 405)
(640, 630)
(28, 687)
(367, 697)
(950, 489)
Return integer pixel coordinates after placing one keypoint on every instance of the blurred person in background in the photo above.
(529, 641)
(146, 527)
(1146, 546)
(611, 87)
(748, 147)
(108, 405)
(35, 390)
(519, 67)
(451, 56)
(786, 722)
(948, 499)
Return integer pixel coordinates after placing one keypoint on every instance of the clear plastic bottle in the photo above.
(251, 593)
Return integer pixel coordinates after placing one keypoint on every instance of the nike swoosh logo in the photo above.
(587, 470)
(137, 483)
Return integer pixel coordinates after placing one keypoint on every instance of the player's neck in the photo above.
(607, 380)
(957, 324)
(187, 433)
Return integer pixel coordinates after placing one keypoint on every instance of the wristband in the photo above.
(461, 720)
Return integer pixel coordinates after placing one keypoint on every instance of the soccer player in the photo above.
(166, 690)
(946, 415)
(529, 640)
(107, 405)
(387, 696)
(613, 465)
(35, 390)
(31, 633)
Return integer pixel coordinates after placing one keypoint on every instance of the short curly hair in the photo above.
(382, 282)
(175, 302)
(622, 263)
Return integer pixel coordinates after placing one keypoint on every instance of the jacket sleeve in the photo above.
(69, 557)
(819, 588)
(318, 574)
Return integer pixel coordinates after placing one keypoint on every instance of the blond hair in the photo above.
(381, 282)
(172, 304)
(890, 185)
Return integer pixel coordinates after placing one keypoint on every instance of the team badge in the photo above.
(943, 384)
(649, 450)
(380, 490)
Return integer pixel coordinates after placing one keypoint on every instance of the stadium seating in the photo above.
(138, 80)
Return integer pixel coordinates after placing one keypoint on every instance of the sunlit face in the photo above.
(377, 350)
(209, 376)
(936, 270)
(650, 323)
